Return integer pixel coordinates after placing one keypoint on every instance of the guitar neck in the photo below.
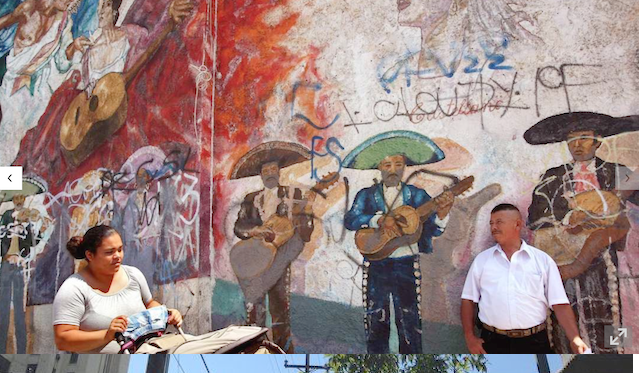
(427, 209)
(130, 74)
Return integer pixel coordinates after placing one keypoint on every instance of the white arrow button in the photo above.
(11, 178)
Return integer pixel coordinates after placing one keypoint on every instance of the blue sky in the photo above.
(275, 363)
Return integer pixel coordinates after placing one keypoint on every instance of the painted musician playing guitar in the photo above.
(69, 133)
(273, 224)
(374, 210)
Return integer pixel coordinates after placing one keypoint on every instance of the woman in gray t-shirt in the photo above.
(93, 304)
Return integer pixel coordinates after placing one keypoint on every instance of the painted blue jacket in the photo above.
(370, 200)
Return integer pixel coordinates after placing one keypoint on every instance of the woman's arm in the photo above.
(153, 303)
(71, 338)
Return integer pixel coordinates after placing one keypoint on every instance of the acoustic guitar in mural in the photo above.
(91, 119)
(280, 229)
(589, 211)
(378, 244)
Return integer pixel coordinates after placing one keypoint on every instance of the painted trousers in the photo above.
(279, 301)
(591, 296)
(12, 287)
(397, 279)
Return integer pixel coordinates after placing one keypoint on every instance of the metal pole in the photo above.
(308, 367)
(158, 363)
(542, 363)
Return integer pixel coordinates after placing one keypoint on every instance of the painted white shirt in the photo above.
(394, 198)
(515, 293)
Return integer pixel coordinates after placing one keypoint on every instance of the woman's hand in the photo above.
(118, 324)
(175, 317)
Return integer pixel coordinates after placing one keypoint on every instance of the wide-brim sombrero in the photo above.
(418, 150)
(284, 153)
(556, 128)
(31, 185)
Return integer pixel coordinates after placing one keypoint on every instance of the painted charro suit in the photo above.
(396, 277)
(594, 293)
(253, 213)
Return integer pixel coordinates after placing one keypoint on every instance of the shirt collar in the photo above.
(398, 188)
(524, 247)
(590, 165)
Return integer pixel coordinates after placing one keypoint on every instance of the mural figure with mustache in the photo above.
(256, 210)
(579, 218)
(398, 276)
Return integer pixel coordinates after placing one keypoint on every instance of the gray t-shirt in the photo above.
(77, 303)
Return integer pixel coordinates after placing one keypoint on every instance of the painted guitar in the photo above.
(91, 120)
(378, 244)
(279, 229)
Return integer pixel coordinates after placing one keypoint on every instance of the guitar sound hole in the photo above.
(93, 103)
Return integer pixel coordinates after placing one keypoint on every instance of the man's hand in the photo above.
(444, 203)
(475, 344)
(179, 9)
(392, 224)
(262, 232)
(81, 44)
(578, 346)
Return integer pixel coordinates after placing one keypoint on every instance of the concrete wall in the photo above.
(142, 165)
(473, 76)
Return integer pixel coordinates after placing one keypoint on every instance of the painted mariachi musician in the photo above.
(384, 215)
(273, 224)
(579, 219)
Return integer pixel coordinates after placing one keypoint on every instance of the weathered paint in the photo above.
(326, 75)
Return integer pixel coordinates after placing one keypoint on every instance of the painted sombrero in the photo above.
(31, 185)
(285, 153)
(418, 150)
(556, 128)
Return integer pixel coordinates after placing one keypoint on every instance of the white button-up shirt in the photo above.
(515, 293)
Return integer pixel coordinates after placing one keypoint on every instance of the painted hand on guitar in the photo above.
(262, 232)
(179, 10)
(393, 224)
(444, 203)
(79, 45)
(581, 221)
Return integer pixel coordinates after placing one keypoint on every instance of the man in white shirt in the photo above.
(514, 284)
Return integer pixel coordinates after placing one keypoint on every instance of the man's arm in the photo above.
(247, 218)
(470, 297)
(548, 205)
(9, 19)
(357, 218)
(474, 343)
(566, 318)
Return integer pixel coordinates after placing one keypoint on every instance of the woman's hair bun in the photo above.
(76, 248)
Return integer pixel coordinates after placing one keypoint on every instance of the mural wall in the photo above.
(327, 116)
(386, 104)
(106, 104)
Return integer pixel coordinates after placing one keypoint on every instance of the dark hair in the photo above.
(505, 207)
(116, 10)
(78, 245)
